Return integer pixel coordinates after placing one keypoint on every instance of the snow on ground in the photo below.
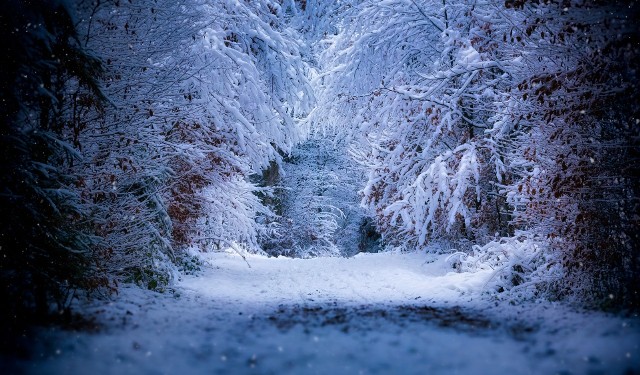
(362, 279)
(370, 314)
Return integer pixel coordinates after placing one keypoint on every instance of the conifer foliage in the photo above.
(46, 245)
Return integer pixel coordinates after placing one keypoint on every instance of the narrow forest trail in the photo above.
(369, 314)
(364, 279)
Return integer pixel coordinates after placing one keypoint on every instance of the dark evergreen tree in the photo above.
(45, 252)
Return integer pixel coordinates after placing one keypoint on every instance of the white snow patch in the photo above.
(364, 278)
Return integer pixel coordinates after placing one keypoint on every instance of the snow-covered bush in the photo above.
(523, 266)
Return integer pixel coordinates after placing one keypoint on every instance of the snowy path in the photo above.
(374, 313)
(363, 279)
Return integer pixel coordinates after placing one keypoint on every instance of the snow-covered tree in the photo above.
(316, 200)
(485, 120)
(249, 92)
(572, 140)
(203, 95)
(423, 88)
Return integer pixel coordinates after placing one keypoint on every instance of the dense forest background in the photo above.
(135, 135)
